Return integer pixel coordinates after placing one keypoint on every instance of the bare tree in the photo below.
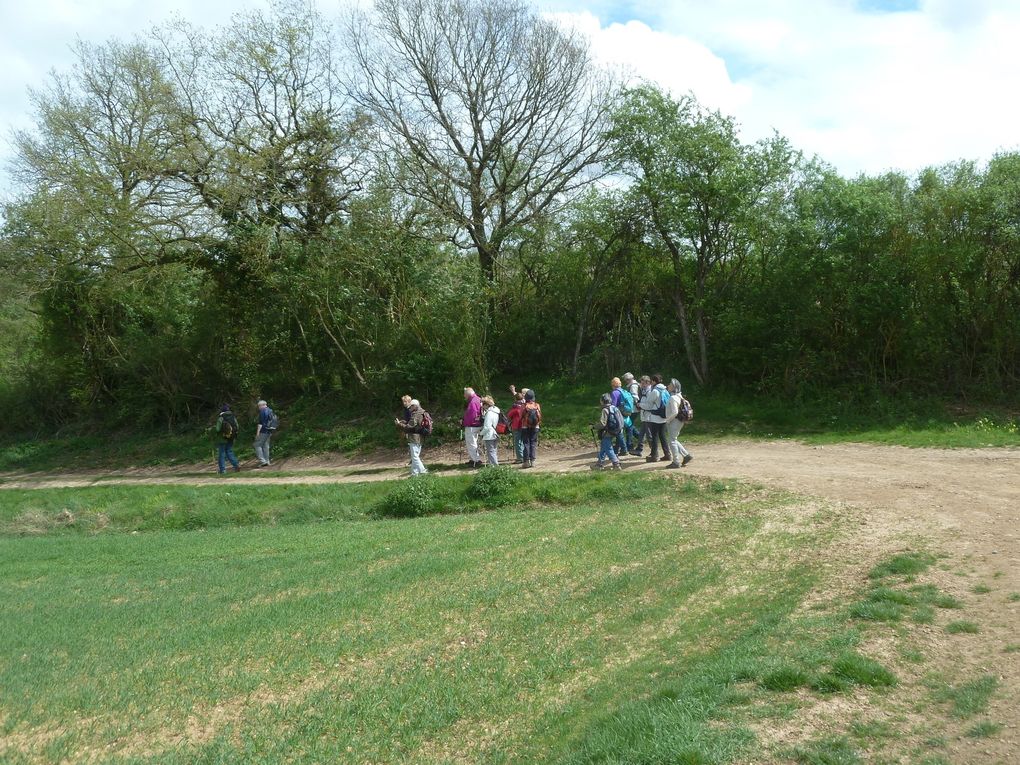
(494, 114)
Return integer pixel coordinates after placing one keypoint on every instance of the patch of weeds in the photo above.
(889, 595)
(861, 670)
(496, 486)
(1013, 597)
(905, 564)
(935, 759)
(970, 698)
(413, 498)
(785, 678)
(923, 615)
(881, 611)
(947, 601)
(912, 655)
(958, 627)
(831, 683)
(718, 487)
(832, 751)
(933, 596)
(871, 730)
(984, 729)
(980, 589)
(1011, 648)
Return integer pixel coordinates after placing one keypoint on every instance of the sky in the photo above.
(866, 85)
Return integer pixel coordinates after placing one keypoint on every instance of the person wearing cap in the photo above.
(263, 433)
(606, 451)
(226, 431)
(411, 426)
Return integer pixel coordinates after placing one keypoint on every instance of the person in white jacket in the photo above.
(653, 413)
(674, 425)
(489, 435)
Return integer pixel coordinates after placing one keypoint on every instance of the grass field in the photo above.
(569, 408)
(590, 619)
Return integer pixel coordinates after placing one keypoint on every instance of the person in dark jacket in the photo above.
(226, 432)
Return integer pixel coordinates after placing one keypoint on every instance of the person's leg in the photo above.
(628, 436)
(687, 456)
(651, 434)
(417, 466)
(492, 451)
(674, 445)
(260, 448)
(604, 446)
(664, 441)
(621, 447)
(519, 445)
(610, 453)
(266, 448)
(221, 450)
(471, 444)
(530, 439)
(232, 457)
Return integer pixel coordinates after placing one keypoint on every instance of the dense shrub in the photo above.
(411, 499)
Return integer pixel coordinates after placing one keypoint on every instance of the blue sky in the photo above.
(867, 85)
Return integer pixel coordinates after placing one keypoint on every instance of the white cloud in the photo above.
(866, 91)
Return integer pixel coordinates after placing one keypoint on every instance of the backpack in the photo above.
(228, 426)
(273, 423)
(502, 424)
(686, 413)
(663, 402)
(425, 429)
(532, 416)
(626, 403)
(613, 420)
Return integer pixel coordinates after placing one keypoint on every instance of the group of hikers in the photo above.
(662, 409)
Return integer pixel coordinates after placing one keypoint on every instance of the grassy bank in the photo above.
(590, 619)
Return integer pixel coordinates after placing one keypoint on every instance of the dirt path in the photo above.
(965, 502)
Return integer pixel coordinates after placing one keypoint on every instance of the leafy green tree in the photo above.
(704, 193)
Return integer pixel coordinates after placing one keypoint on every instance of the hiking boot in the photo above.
(237, 468)
(687, 458)
(651, 458)
(477, 464)
(665, 458)
(617, 466)
(672, 465)
(470, 463)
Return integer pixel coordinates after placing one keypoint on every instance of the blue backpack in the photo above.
(626, 403)
(613, 420)
(664, 397)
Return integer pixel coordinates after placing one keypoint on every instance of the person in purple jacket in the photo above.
(472, 424)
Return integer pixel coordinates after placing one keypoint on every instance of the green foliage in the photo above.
(962, 627)
(495, 485)
(412, 499)
(906, 564)
(968, 698)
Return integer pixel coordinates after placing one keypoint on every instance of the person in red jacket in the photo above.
(514, 416)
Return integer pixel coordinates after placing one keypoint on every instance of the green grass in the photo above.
(836, 751)
(595, 618)
(962, 627)
(906, 564)
(968, 698)
(984, 729)
(324, 425)
(980, 589)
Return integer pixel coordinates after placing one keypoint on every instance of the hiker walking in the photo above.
(472, 424)
(653, 415)
(489, 434)
(531, 423)
(513, 416)
(674, 424)
(633, 391)
(610, 425)
(623, 401)
(266, 425)
(226, 432)
(416, 426)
